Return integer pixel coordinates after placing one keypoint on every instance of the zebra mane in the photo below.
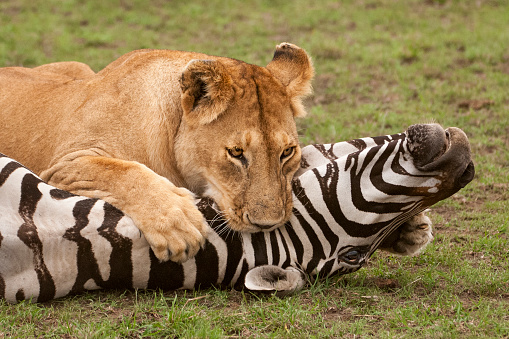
(348, 198)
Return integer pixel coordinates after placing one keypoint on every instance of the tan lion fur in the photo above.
(154, 122)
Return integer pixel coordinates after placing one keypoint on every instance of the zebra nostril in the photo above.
(467, 176)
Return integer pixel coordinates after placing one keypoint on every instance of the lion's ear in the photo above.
(206, 91)
(293, 67)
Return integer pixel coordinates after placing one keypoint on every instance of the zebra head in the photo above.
(351, 198)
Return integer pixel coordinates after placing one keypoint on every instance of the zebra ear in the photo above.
(270, 278)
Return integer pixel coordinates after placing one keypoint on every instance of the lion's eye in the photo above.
(236, 152)
(287, 152)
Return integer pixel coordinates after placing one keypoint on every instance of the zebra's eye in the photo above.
(352, 257)
(236, 152)
(287, 152)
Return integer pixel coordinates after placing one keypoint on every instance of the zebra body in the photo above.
(349, 198)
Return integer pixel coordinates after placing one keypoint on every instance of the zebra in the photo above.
(350, 198)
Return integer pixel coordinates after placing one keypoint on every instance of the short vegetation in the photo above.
(381, 65)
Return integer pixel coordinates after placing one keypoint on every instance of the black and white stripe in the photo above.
(348, 197)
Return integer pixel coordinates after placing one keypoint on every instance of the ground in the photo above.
(381, 65)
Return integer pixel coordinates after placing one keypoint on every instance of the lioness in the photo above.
(154, 122)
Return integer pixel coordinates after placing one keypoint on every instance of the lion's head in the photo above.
(238, 140)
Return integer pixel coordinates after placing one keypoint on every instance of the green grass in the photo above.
(381, 65)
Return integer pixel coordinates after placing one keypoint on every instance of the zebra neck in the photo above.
(299, 243)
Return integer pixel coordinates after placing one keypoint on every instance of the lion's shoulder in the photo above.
(71, 69)
(144, 59)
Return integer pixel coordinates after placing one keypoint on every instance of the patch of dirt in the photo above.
(504, 65)
(434, 74)
(372, 5)
(437, 3)
(329, 54)
(324, 81)
(462, 63)
(12, 11)
(334, 313)
(321, 83)
(351, 26)
(495, 191)
(475, 104)
(387, 284)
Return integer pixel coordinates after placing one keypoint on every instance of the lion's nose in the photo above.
(263, 225)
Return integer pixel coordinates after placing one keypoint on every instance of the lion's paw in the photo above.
(411, 237)
(176, 230)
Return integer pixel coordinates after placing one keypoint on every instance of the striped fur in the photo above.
(348, 199)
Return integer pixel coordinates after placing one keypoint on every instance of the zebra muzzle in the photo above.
(455, 162)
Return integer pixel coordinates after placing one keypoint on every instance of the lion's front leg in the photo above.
(411, 237)
(166, 214)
